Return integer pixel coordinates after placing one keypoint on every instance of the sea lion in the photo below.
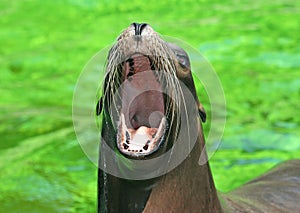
(141, 103)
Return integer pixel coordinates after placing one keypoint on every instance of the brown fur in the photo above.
(190, 186)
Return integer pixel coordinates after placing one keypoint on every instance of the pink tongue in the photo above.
(141, 136)
(142, 130)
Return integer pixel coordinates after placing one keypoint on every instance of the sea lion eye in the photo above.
(183, 60)
(181, 55)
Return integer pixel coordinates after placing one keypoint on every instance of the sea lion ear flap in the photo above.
(99, 107)
(202, 112)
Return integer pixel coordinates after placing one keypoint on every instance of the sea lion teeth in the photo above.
(127, 137)
(123, 134)
(160, 129)
(142, 141)
(125, 146)
(145, 147)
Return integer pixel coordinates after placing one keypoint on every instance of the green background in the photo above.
(253, 45)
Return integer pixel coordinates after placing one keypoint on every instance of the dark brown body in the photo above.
(190, 186)
(276, 191)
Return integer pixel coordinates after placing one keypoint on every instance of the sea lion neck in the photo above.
(188, 188)
(122, 195)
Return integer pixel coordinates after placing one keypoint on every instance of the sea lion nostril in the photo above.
(139, 28)
(143, 26)
(134, 24)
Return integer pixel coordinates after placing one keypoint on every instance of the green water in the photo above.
(253, 46)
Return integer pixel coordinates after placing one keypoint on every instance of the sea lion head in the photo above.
(142, 91)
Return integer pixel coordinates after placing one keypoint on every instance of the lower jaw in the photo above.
(141, 142)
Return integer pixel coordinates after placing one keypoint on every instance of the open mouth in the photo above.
(142, 122)
(141, 141)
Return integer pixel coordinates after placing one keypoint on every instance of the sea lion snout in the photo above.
(137, 30)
